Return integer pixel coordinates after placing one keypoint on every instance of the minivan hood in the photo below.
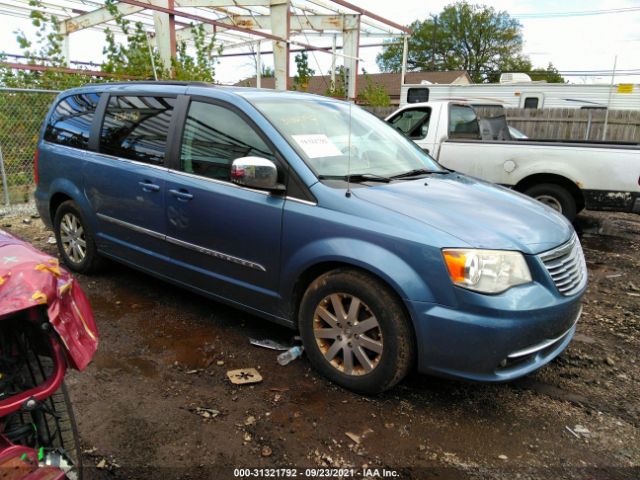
(478, 213)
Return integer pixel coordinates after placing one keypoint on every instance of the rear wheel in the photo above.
(75, 240)
(556, 197)
(355, 331)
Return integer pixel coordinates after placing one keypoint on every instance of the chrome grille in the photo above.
(566, 266)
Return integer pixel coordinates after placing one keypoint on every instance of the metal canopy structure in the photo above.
(237, 24)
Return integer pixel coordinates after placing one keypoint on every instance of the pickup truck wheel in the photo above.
(355, 331)
(75, 240)
(556, 197)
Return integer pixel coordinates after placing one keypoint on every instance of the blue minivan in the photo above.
(312, 213)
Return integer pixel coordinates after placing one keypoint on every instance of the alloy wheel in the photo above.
(73, 238)
(348, 334)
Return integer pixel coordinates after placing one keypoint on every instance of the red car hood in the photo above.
(29, 277)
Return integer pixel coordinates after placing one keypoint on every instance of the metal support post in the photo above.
(280, 28)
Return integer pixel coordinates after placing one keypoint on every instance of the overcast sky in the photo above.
(564, 33)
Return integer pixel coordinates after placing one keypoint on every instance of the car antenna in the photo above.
(348, 193)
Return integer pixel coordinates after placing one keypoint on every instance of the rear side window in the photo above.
(214, 136)
(136, 128)
(463, 122)
(70, 122)
(417, 95)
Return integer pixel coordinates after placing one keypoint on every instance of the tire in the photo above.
(70, 224)
(66, 438)
(556, 197)
(52, 426)
(381, 351)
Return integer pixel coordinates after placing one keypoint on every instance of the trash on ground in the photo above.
(250, 420)
(571, 431)
(102, 464)
(244, 376)
(583, 431)
(26, 221)
(268, 343)
(358, 438)
(206, 412)
(266, 451)
(51, 240)
(290, 355)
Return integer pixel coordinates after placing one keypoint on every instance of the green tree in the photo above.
(550, 74)
(267, 72)
(304, 72)
(132, 58)
(44, 50)
(374, 95)
(475, 38)
(202, 66)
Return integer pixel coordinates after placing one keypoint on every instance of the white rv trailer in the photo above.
(530, 94)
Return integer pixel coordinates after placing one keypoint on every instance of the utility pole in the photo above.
(433, 43)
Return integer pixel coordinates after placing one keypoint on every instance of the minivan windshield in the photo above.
(337, 139)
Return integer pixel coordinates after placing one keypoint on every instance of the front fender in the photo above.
(385, 264)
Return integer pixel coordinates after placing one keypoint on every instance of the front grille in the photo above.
(566, 266)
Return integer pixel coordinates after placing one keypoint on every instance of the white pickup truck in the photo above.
(567, 176)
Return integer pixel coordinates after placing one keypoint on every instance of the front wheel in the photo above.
(556, 197)
(355, 331)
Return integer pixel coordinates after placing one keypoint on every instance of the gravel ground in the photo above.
(164, 354)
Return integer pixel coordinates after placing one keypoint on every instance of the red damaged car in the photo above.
(46, 326)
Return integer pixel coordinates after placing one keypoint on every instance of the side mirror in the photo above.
(255, 172)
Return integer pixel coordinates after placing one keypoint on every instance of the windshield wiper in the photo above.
(357, 177)
(419, 171)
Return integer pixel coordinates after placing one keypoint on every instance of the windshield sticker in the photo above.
(316, 146)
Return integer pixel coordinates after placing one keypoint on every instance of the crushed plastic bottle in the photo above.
(287, 357)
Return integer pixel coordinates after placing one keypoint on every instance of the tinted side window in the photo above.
(213, 137)
(414, 123)
(416, 95)
(70, 122)
(136, 128)
(463, 122)
(531, 102)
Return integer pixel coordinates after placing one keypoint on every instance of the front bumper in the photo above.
(494, 345)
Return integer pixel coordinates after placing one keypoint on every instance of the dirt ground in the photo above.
(164, 353)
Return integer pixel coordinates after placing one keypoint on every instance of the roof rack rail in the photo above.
(156, 82)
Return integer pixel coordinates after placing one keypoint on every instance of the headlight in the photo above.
(486, 271)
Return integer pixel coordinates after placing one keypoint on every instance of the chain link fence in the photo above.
(22, 112)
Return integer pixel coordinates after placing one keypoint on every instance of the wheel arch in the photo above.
(57, 199)
(540, 178)
(313, 271)
(63, 190)
(317, 269)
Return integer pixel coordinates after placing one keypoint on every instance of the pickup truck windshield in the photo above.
(319, 129)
